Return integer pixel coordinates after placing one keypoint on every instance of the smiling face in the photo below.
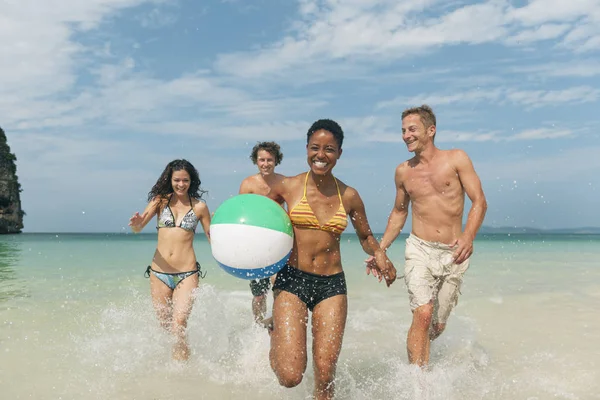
(322, 152)
(180, 180)
(265, 162)
(414, 133)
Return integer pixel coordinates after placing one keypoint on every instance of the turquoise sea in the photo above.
(76, 322)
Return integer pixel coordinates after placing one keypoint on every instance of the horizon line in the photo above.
(497, 230)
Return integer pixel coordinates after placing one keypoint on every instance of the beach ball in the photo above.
(251, 236)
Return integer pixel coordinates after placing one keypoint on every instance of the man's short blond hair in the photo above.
(425, 112)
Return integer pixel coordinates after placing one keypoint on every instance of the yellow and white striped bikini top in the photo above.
(302, 216)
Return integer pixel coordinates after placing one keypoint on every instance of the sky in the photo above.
(97, 96)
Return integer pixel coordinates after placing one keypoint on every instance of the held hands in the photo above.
(136, 222)
(372, 268)
(464, 248)
(380, 267)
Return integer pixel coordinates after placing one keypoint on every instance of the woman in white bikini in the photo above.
(174, 273)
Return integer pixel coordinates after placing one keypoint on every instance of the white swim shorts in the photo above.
(431, 274)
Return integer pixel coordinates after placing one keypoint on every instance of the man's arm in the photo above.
(472, 186)
(399, 213)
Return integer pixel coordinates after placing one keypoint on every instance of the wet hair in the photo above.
(271, 147)
(425, 113)
(330, 126)
(163, 187)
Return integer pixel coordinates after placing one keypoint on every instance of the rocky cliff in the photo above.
(11, 214)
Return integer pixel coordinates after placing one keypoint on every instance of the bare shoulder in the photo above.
(344, 187)
(456, 155)
(301, 175)
(292, 180)
(158, 201)
(459, 160)
(348, 192)
(406, 165)
(283, 185)
(199, 206)
(402, 169)
(249, 182)
(277, 180)
(279, 177)
(249, 179)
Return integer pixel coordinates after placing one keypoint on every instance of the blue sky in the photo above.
(98, 95)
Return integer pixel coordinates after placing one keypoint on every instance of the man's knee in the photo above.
(423, 315)
(436, 330)
(260, 287)
(259, 298)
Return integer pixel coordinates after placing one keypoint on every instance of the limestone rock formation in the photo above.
(11, 214)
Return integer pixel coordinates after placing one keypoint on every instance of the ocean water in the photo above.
(76, 322)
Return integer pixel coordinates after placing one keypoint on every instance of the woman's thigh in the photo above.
(328, 326)
(288, 338)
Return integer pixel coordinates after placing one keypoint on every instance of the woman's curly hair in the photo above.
(163, 187)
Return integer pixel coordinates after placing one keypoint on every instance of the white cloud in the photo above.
(122, 99)
(42, 61)
(540, 98)
(542, 11)
(385, 129)
(53, 158)
(542, 32)
(37, 45)
(527, 98)
(40, 58)
(225, 133)
(360, 30)
(541, 133)
(496, 136)
(41, 94)
(70, 86)
(376, 32)
(584, 37)
(454, 136)
(471, 24)
(578, 68)
(491, 95)
(157, 18)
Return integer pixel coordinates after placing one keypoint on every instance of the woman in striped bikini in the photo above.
(313, 280)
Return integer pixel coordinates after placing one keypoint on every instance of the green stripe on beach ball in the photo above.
(253, 210)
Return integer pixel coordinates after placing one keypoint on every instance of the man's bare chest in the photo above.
(427, 182)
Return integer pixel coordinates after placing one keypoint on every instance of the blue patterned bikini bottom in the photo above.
(174, 279)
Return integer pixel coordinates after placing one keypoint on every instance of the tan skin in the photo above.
(435, 182)
(261, 184)
(318, 252)
(174, 253)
